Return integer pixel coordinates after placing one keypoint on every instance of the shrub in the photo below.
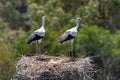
(7, 66)
(103, 47)
(22, 48)
(92, 40)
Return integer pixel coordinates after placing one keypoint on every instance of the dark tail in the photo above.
(28, 41)
(60, 40)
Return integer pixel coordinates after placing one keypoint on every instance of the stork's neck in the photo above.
(43, 22)
(77, 25)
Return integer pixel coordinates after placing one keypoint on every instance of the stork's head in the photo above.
(44, 17)
(78, 20)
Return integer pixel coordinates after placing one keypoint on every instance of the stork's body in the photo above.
(37, 35)
(70, 34)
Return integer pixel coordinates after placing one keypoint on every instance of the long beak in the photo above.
(47, 21)
(82, 21)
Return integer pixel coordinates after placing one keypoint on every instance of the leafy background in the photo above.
(98, 37)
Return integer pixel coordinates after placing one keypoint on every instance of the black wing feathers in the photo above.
(65, 37)
(33, 37)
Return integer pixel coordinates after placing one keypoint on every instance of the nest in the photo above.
(42, 67)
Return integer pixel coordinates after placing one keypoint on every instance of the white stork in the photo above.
(70, 34)
(37, 35)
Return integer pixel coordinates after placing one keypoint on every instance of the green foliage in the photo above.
(49, 45)
(10, 14)
(103, 47)
(90, 41)
(93, 40)
(22, 48)
(7, 66)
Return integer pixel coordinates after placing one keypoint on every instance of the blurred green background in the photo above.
(98, 37)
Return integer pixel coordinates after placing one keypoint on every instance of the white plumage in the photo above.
(37, 34)
(73, 31)
(70, 33)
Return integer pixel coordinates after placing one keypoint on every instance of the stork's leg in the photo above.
(37, 50)
(71, 48)
(37, 47)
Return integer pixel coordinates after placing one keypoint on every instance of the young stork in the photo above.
(70, 34)
(37, 35)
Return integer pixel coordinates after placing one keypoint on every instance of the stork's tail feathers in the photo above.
(60, 42)
(28, 41)
(31, 38)
(60, 39)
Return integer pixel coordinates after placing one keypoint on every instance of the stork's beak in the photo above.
(47, 21)
(82, 21)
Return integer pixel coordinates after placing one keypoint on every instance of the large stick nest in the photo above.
(53, 68)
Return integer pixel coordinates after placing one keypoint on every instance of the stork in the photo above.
(70, 34)
(37, 35)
